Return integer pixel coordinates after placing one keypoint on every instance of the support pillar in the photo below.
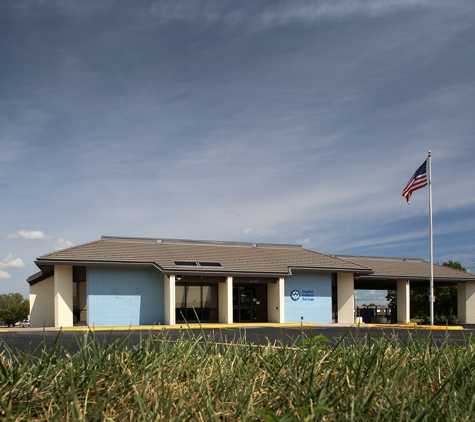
(466, 302)
(170, 305)
(225, 300)
(346, 298)
(403, 302)
(275, 301)
(63, 295)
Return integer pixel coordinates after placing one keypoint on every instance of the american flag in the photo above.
(417, 181)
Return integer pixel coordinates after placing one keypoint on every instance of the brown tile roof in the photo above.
(406, 268)
(233, 257)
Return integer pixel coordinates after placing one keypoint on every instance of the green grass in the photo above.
(200, 379)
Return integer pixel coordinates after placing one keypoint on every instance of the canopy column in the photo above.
(466, 302)
(403, 301)
(170, 302)
(346, 298)
(225, 301)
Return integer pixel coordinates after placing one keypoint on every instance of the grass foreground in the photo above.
(198, 378)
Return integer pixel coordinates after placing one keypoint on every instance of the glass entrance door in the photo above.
(245, 306)
(250, 303)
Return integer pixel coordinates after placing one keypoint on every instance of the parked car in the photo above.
(25, 323)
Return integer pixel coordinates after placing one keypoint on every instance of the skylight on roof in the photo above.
(210, 264)
(197, 264)
(186, 263)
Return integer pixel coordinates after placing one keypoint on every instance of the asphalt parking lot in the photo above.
(37, 341)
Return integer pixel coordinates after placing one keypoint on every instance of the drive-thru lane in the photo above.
(42, 340)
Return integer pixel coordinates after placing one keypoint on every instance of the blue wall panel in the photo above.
(124, 296)
(308, 295)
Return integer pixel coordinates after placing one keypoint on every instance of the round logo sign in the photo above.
(295, 295)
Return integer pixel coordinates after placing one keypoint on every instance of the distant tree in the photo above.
(391, 297)
(454, 264)
(13, 308)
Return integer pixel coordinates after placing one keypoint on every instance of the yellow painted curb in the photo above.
(185, 326)
(410, 326)
(414, 326)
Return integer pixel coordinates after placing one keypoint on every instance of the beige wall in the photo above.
(42, 304)
(225, 301)
(346, 298)
(275, 301)
(63, 296)
(466, 302)
(403, 301)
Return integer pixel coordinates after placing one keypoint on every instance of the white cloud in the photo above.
(38, 235)
(303, 241)
(4, 274)
(248, 230)
(11, 262)
(29, 235)
(62, 244)
(336, 9)
(278, 13)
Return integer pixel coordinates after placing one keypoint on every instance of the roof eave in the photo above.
(413, 278)
(82, 262)
(228, 273)
(333, 270)
(222, 272)
(39, 276)
(45, 262)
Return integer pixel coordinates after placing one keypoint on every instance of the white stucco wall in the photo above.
(42, 304)
(63, 296)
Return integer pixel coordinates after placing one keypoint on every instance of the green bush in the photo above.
(13, 308)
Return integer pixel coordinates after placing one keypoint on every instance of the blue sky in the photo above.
(263, 121)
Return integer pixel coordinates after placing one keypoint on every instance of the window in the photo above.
(196, 302)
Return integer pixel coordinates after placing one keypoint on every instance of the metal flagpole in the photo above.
(431, 242)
